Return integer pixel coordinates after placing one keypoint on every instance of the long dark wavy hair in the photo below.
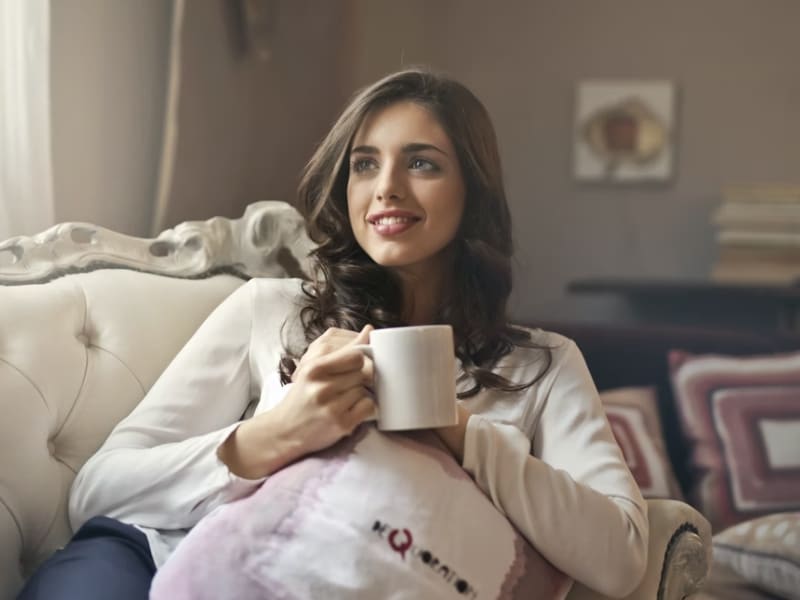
(349, 290)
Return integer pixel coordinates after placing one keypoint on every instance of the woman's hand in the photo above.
(327, 401)
(333, 339)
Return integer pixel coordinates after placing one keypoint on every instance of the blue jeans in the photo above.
(104, 560)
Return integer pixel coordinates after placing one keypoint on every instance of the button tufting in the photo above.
(51, 447)
(83, 338)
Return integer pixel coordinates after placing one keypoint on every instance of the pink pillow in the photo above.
(376, 515)
(742, 418)
(633, 415)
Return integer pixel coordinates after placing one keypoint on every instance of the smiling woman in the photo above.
(422, 145)
(405, 200)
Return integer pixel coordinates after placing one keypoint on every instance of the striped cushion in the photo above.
(633, 415)
(742, 418)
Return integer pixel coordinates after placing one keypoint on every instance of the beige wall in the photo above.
(247, 127)
(735, 63)
(108, 65)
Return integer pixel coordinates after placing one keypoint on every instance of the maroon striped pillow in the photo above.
(633, 415)
(741, 416)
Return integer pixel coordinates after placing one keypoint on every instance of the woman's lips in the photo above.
(389, 225)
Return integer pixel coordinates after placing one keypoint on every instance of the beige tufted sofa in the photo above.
(88, 320)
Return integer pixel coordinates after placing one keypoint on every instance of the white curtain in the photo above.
(26, 174)
(169, 142)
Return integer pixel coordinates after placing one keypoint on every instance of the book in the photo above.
(759, 226)
(731, 254)
(766, 212)
(758, 193)
(773, 239)
(755, 270)
(758, 235)
(756, 274)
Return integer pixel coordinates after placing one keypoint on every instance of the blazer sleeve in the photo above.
(159, 466)
(569, 492)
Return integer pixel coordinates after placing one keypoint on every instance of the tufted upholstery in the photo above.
(76, 355)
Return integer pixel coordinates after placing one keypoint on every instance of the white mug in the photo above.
(415, 376)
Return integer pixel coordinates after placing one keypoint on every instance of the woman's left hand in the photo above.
(453, 436)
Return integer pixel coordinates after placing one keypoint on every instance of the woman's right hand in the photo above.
(328, 399)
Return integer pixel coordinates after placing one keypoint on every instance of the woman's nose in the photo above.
(390, 184)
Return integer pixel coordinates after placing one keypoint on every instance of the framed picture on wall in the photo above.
(624, 130)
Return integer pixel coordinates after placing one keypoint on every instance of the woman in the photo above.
(405, 199)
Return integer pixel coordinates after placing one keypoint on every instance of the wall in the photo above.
(735, 63)
(246, 127)
(108, 62)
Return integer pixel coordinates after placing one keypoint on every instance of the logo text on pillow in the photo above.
(402, 541)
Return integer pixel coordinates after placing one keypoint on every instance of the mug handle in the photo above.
(367, 350)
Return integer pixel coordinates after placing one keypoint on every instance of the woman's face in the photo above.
(405, 192)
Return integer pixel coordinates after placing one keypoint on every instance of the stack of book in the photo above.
(758, 235)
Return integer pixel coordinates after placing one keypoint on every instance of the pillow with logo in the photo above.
(377, 515)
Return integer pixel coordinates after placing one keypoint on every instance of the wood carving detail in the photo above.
(269, 240)
(686, 568)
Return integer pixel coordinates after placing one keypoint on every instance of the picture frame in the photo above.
(624, 130)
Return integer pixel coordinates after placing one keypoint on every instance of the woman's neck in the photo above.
(423, 290)
(420, 303)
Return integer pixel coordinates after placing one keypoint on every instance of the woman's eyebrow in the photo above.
(407, 149)
(419, 147)
(364, 150)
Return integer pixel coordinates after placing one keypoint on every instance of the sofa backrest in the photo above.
(76, 355)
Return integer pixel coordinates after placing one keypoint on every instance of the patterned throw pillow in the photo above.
(633, 415)
(742, 418)
(765, 552)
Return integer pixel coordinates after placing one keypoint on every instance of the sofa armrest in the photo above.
(679, 555)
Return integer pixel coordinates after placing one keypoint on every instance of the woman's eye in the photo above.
(362, 164)
(422, 164)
